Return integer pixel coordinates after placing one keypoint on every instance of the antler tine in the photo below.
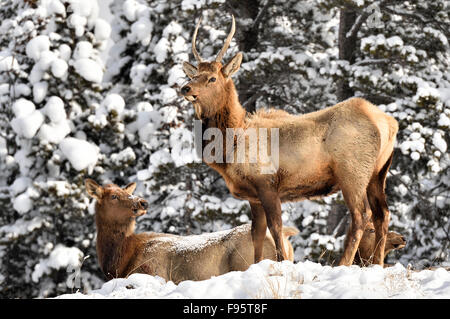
(227, 41)
(194, 50)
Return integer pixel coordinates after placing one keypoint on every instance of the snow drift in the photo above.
(269, 279)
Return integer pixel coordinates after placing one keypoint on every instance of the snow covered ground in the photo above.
(269, 279)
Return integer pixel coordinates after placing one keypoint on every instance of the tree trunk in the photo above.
(247, 40)
(347, 48)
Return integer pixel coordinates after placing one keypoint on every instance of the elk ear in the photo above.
(130, 188)
(233, 66)
(189, 69)
(93, 189)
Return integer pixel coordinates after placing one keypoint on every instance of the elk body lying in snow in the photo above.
(122, 252)
(346, 147)
(367, 245)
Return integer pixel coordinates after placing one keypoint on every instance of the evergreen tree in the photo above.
(51, 77)
(66, 115)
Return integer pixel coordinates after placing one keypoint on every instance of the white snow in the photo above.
(182, 146)
(54, 132)
(81, 154)
(161, 49)
(89, 70)
(113, 102)
(305, 280)
(28, 125)
(20, 184)
(439, 142)
(54, 109)
(8, 63)
(39, 91)
(59, 68)
(23, 107)
(102, 30)
(133, 10)
(36, 46)
(141, 31)
(444, 120)
(60, 257)
(21, 227)
(65, 52)
(23, 203)
(83, 50)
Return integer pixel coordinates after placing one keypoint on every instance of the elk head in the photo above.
(115, 204)
(394, 241)
(368, 242)
(210, 82)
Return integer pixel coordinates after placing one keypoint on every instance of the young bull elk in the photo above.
(122, 252)
(346, 147)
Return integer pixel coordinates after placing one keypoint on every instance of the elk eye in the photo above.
(212, 80)
(114, 197)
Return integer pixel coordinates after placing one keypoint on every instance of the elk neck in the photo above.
(230, 112)
(114, 245)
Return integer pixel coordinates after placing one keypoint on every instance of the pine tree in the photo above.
(51, 83)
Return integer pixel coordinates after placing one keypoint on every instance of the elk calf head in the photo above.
(115, 204)
(368, 244)
(394, 241)
(210, 81)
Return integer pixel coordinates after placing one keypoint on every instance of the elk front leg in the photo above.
(271, 203)
(259, 226)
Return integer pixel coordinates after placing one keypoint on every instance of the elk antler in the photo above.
(227, 42)
(194, 50)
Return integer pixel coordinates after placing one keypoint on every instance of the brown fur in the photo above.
(122, 252)
(345, 147)
(367, 245)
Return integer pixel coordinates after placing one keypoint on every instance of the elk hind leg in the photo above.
(258, 230)
(272, 206)
(381, 215)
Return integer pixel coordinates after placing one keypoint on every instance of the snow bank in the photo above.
(305, 280)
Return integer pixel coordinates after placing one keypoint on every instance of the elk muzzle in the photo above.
(140, 207)
(402, 244)
(187, 93)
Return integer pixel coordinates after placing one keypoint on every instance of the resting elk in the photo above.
(122, 252)
(347, 147)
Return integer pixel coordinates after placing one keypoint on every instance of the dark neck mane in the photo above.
(113, 245)
(230, 114)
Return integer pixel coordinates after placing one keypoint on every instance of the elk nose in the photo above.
(404, 239)
(185, 89)
(143, 204)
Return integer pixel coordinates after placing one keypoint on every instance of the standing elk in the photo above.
(122, 252)
(347, 147)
